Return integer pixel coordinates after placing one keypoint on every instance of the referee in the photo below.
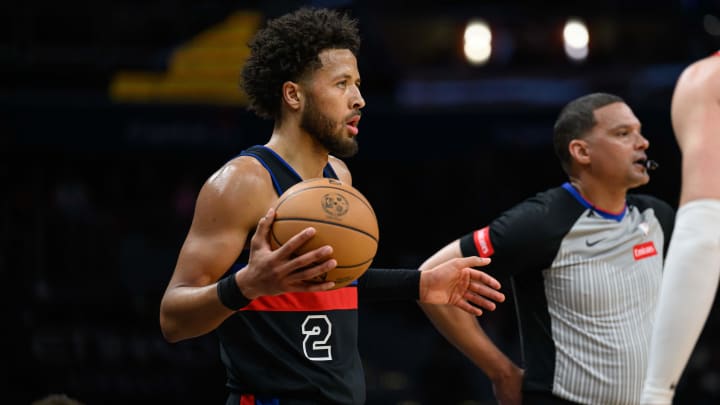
(585, 260)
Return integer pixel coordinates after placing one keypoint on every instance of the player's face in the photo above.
(617, 147)
(331, 111)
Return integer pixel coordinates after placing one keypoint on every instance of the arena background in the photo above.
(114, 112)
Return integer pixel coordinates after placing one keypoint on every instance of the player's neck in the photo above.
(299, 150)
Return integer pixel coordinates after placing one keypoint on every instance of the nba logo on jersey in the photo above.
(644, 250)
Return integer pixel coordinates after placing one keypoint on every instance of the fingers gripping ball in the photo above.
(343, 219)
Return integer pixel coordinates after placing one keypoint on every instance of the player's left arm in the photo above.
(452, 282)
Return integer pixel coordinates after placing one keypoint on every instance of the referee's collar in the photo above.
(587, 204)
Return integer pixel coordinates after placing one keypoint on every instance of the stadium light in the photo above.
(477, 42)
(576, 39)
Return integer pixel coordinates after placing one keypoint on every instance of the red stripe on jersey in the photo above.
(342, 298)
(644, 250)
(247, 399)
(482, 242)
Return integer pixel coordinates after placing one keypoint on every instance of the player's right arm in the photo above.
(230, 204)
(465, 333)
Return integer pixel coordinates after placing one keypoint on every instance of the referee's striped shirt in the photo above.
(586, 284)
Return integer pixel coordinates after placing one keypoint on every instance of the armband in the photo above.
(390, 284)
(230, 294)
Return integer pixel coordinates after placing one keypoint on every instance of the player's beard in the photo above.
(325, 131)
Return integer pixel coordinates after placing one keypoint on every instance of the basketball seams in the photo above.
(347, 266)
(360, 198)
(339, 266)
(320, 221)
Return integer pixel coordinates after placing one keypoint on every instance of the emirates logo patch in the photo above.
(644, 250)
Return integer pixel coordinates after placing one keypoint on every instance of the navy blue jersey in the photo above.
(585, 284)
(294, 346)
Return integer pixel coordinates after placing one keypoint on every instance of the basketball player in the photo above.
(692, 268)
(283, 338)
(585, 260)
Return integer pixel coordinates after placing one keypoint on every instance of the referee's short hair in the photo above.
(575, 120)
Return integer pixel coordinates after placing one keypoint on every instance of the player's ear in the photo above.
(292, 95)
(579, 151)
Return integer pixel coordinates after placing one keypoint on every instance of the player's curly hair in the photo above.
(575, 120)
(288, 48)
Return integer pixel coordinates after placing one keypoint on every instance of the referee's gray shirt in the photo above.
(585, 283)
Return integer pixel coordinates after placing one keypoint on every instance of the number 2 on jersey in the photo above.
(317, 330)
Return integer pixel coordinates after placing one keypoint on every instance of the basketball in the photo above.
(343, 219)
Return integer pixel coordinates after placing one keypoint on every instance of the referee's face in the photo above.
(616, 147)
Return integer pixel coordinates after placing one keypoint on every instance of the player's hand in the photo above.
(455, 282)
(508, 388)
(272, 272)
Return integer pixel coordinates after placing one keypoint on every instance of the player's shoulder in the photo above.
(234, 196)
(711, 63)
(241, 171)
(243, 178)
(701, 73)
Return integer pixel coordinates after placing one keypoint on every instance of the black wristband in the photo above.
(230, 294)
(389, 285)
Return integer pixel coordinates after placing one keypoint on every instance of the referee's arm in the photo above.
(464, 332)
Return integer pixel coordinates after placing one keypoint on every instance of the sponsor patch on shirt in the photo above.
(482, 242)
(644, 250)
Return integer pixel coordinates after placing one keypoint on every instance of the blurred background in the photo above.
(114, 112)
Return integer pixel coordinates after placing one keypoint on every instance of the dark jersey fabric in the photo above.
(294, 346)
